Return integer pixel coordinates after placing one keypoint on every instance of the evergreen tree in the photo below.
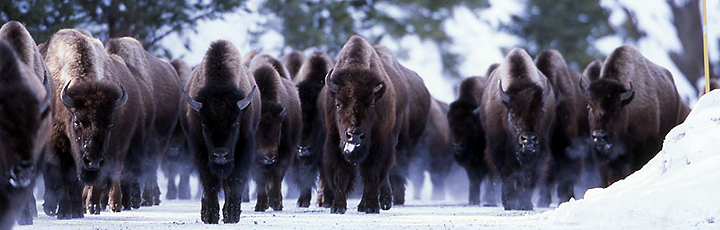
(327, 24)
(569, 26)
(149, 21)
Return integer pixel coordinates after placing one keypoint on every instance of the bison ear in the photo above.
(378, 91)
(628, 95)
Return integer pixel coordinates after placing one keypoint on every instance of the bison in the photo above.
(219, 119)
(164, 84)
(293, 62)
(305, 168)
(177, 159)
(567, 143)
(26, 99)
(97, 114)
(467, 134)
(632, 105)
(517, 113)
(278, 132)
(370, 105)
(433, 153)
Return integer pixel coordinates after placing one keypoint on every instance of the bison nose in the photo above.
(92, 164)
(220, 153)
(600, 136)
(268, 160)
(303, 151)
(528, 139)
(457, 148)
(354, 136)
(21, 175)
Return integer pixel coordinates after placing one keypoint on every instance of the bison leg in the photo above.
(305, 197)
(115, 198)
(172, 190)
(371, 191)
(386, 194)
(489, 197)
(262, 192)
(340, 184)
(210, 210)
(475, 178)
(546, 185)
(233, 199)
(25, 217)
(71, 205)
(92, 199)
(275, 192)
(54, 188)
(184, 186)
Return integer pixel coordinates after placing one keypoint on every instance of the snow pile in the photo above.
(679, 188)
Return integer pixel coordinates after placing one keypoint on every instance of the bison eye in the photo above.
(236, 123)
(76, 124)
(110, 126)
(338, 105)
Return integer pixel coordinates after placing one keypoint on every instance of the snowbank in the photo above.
(679, 188)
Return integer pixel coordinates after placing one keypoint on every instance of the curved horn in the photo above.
(582, 89)
(195, 105)
(242, 104)
(546, 90)
(123, 99)
(45, 104)
(66, 100)
(476, 111)
(377, 88)
(331, 85)
(627, 94)
(505, 98)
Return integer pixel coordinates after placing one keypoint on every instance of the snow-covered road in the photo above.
(415, 215)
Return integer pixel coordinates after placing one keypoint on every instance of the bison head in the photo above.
(355, 93)
(464, 120)
(606, 100)
(525, 103)
(20, 125)
(268, 134)
(220, 108)
(88, 127)
(312, 128)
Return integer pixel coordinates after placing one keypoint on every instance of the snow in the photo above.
(676, 189)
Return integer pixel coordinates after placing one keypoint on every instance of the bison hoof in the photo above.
(210, 218)
(490, 205)
(338, 210)
(474, 202)
(24, 220)
(260, 208)
(276, 205)
(50, 210)
(303, 203)
(385, 203)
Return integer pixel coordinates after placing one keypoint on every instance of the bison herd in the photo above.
(98, 120)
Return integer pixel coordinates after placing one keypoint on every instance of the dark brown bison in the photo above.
(370, 104)
(293, 62)
(97, 115)
(632, 105)
(433, 153)
(177, 160)
(305, 169)
(26, 99)
(278, 132)
(413, 108)
(164, 84)
(568, 141)
(219, 120)
(276, 64)
(714, 84)
(517, 113)
(468, 136)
